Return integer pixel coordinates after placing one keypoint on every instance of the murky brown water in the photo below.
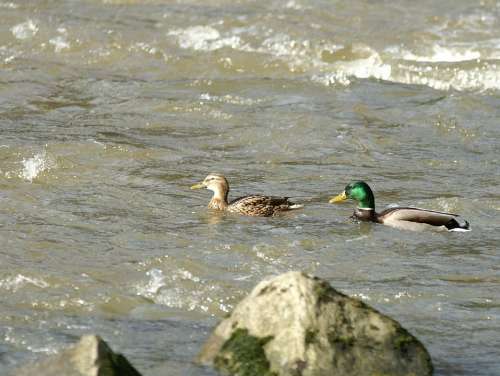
(110, 110)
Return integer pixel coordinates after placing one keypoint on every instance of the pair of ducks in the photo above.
(408, 218)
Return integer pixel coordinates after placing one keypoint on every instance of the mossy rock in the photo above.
(310, 336)
(243, 355)
(298, 325)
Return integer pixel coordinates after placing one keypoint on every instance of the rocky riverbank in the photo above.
(289, 325)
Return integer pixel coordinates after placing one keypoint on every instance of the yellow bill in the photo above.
(339, 198)
(197, 186)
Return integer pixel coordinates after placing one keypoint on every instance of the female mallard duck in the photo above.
(400, 217)
(254, 205)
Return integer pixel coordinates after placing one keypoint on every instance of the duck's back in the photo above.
(425, 216)
(259, 205)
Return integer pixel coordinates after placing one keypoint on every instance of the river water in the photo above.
(111, 110)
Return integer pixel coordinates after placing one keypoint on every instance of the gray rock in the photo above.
(91, 356)
(296, 324)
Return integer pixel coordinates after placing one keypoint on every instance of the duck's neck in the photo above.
(219, 200)
(365, 214)
(363, 194)
(366, 208)
(367, 201)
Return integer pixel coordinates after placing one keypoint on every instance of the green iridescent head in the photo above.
(358, 191)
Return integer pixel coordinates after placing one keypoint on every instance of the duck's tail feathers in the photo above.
(459, 225)
(295, 206)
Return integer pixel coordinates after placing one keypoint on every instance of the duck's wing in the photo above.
(259, 205)
(417, 215)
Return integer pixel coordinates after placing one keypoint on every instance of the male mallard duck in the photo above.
(255, 205)
(400, 217)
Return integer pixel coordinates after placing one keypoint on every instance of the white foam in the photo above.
(461, 66)
(7, 54)
(149, 49)
(155, 283)
(291, 4)
(204, 38)
(176, 291)
(405, 67)
(183, 274)
(19, 281)
(334, 78)
(362, 296)
(9, 5)
(196, 37)
(371, 66)
(443, 54)
(281, 45)
(440, 67)
(25, 30)
(231, 99)
(60, 43)
(402, 294)
(34, 166)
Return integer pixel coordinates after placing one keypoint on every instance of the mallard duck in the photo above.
(254, 205)
(400, 217)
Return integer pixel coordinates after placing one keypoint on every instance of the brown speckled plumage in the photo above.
(252, 205)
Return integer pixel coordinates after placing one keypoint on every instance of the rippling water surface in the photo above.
(110, 110)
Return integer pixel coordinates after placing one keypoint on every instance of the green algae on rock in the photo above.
(295, 324)
(244, 355)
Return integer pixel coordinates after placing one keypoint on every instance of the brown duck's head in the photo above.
(216, 183)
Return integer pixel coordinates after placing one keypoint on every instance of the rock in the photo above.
(91, 356)
(295, 324)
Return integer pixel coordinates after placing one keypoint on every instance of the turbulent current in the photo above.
(110, 110)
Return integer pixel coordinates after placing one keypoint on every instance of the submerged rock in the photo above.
(295, 324)
(91, 356)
